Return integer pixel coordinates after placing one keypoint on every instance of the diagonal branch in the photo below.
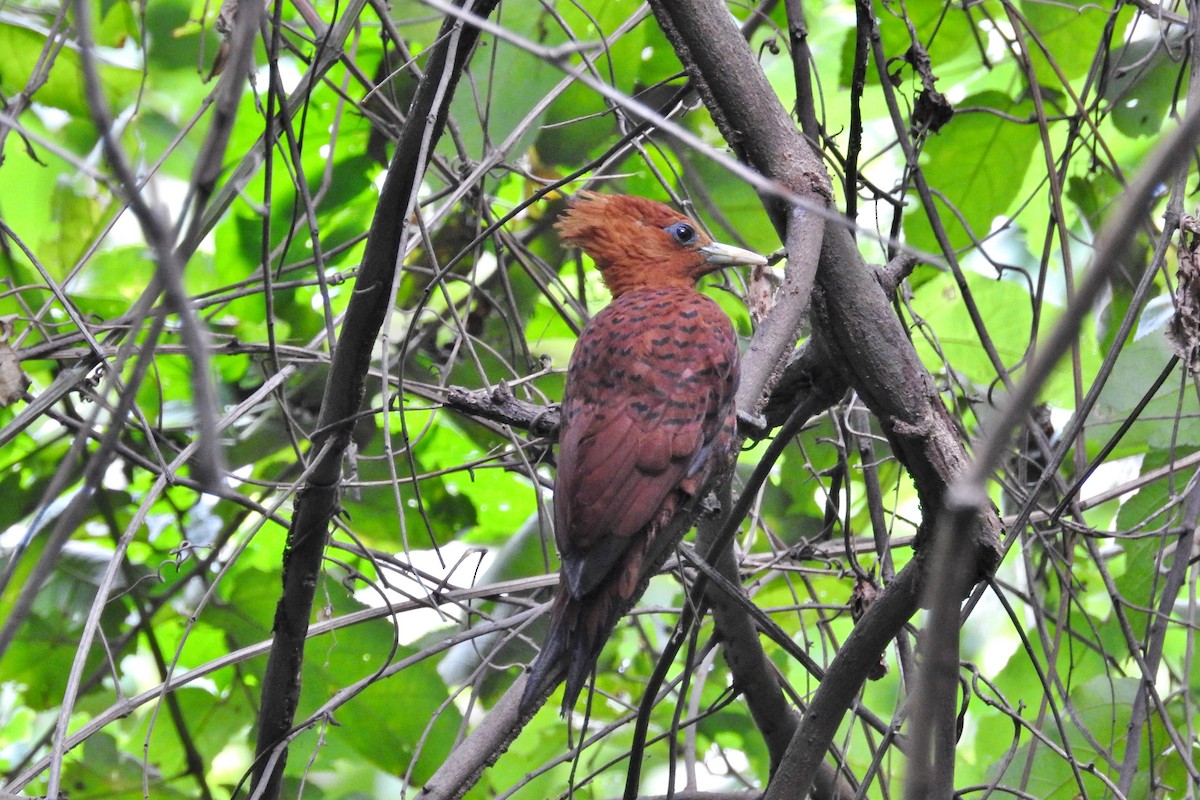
(968, 493)
(316, 502)
(169, 265)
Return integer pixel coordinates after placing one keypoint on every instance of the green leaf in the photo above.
(398, 723)
(977, 163)
(1063, 37)
(1006, 307)
(23, 42)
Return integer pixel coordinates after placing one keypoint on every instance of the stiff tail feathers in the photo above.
(579, 626)
(548, 667)
(578, 631)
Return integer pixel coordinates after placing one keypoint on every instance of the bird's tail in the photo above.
(578, 631)
(547, 669)
(579, 626)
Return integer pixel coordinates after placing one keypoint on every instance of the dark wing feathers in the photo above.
(643, 402)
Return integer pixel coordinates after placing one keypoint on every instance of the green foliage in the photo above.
(961, 161)
(139, 605)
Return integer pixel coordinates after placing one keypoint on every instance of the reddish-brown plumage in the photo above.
(647, 412)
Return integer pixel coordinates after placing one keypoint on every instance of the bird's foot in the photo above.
(753, 426)
(710, 506)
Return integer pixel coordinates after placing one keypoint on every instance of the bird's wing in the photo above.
(649, 394)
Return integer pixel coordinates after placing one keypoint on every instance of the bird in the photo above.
(647, 416)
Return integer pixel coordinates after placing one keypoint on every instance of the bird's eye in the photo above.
(683, 233)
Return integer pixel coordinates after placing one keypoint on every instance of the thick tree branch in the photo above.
(772, 145)
(853, 319)
(758, 128)
(316, 502)
(870, 350)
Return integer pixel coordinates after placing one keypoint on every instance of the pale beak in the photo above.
(724, 255)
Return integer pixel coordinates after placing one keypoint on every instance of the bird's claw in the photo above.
(753, 426)
(710, 506)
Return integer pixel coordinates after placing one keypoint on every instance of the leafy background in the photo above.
(147, 579)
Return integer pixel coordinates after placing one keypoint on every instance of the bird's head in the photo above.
(641, 244)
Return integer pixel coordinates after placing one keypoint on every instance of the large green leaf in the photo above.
(22, 41)
(976, 164)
